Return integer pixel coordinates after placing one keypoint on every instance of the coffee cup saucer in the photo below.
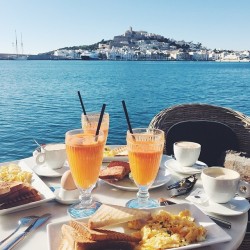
(236, 206)
(172, 164)
(45, 171)
(64, 201)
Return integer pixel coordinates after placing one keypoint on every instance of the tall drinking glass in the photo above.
(145, 149)
(85, 153)
(90, 121)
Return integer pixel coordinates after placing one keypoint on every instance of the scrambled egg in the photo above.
(166, 230)
(108, 152)
(13, 172)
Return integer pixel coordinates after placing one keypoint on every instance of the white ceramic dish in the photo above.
(126, 184)
(236, 206)
(195, 169)
(214, 233)
(117, 157)
(64, 201)
(39, 185)
(43, 170)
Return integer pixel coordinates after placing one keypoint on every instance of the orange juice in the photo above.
(85, 158)
(144, 166)
(90, 122)
(93, 125)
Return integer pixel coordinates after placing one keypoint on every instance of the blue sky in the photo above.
(51, 24)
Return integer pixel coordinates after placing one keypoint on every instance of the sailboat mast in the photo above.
(22, 43)
(16, 45)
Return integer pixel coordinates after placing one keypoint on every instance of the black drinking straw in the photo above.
(83, 109)
(127, 117)
(100, 120)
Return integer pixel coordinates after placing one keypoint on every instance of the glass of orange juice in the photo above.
(90, 121)
(145, 149)
(85, 153)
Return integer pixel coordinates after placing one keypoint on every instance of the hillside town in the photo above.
(141, 45)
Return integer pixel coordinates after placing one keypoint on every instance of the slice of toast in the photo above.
(25, 198)
(111, 214)
(101, 234)
(120, 163)
(73, 240)
(26, 188)
(9, 187)
(114, 173)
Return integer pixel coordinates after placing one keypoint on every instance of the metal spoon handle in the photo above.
(1, 242)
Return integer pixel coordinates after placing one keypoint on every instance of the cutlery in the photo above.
(37, 223)
(218, 221)
(184, 186)
(22, 222)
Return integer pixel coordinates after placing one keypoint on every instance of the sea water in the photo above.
(38, 99)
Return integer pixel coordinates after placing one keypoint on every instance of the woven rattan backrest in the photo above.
(237, 121)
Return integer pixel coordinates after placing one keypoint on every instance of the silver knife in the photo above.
(37, 223)
(218, 221)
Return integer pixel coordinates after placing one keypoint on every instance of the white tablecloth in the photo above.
(105, 193)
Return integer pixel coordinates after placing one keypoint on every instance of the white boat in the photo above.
(89, 55)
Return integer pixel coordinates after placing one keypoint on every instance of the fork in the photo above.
(24, 221)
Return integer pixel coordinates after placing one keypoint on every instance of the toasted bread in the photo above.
(74, 240)
(22, 196)
(114, 173)
(110, 214)
(9, 187)
(101, 234)
(120, 163)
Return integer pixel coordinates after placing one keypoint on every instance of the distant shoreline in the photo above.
(12, 57)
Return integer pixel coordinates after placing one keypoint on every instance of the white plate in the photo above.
(126, 184)
(64, 201)
(214, 233)
(115, 158)
(43, 170)
(235, 206)
(39, 185)
(195, 169)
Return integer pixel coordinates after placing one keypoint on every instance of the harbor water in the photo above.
(38, 99)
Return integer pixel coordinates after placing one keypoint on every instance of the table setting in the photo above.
(67, 177)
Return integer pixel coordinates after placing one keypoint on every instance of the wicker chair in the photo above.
(237, 121)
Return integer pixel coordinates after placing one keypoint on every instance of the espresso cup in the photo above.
(52, 155)
(221, 184)
(186, 153)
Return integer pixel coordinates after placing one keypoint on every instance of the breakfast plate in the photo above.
(214, 233)
(39, 185)
(127, 184)
(195, 169)
(43, 170)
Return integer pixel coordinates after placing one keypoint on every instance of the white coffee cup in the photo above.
(221, 184)
(186, 153)
(52, 155)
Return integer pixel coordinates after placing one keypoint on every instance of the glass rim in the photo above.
(158, 136)
(81, 131)
(146, 129)
(95, 114)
